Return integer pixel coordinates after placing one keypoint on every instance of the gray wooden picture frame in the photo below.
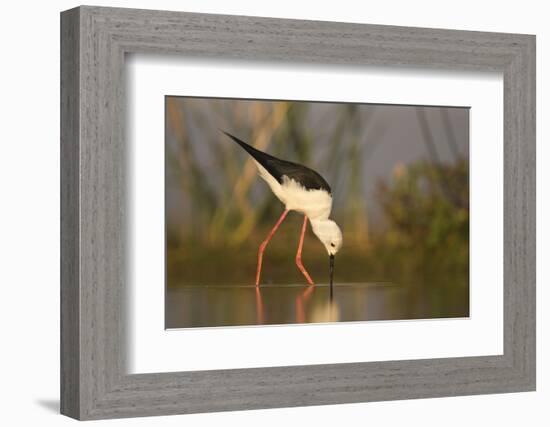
(94, 41)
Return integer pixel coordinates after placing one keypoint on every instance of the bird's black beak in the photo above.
(331, 269)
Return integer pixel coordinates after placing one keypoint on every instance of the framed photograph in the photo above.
(262, 213)
(399, 200)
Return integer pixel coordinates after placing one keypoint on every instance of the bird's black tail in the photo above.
(257, 154)
(279, 168)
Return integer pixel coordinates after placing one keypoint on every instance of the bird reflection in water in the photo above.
(260, 314)
(301, 301)
(306, 308)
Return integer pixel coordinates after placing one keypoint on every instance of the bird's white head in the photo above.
(329, 234)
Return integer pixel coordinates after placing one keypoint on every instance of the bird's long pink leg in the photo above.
(264, 244)
(299, 254)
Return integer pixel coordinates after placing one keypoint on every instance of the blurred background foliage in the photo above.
(399, 176)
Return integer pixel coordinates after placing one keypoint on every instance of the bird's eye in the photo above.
(333, 245)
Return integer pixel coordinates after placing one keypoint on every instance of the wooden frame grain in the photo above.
(94, 41)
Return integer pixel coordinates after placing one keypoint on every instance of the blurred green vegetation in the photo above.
(426, 239)
(426, 209)
(219, 211)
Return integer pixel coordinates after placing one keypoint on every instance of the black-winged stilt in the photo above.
(303, 190)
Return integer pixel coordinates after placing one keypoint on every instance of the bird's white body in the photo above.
(316, 204)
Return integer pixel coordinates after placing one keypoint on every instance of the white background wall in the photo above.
(29, 213)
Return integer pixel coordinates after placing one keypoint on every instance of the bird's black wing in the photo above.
(278, 168)
(303, 175)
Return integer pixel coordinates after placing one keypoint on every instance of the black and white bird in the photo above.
(303, 190)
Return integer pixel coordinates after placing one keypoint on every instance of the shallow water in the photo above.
(229, 305)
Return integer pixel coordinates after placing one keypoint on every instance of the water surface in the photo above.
(231, 305)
